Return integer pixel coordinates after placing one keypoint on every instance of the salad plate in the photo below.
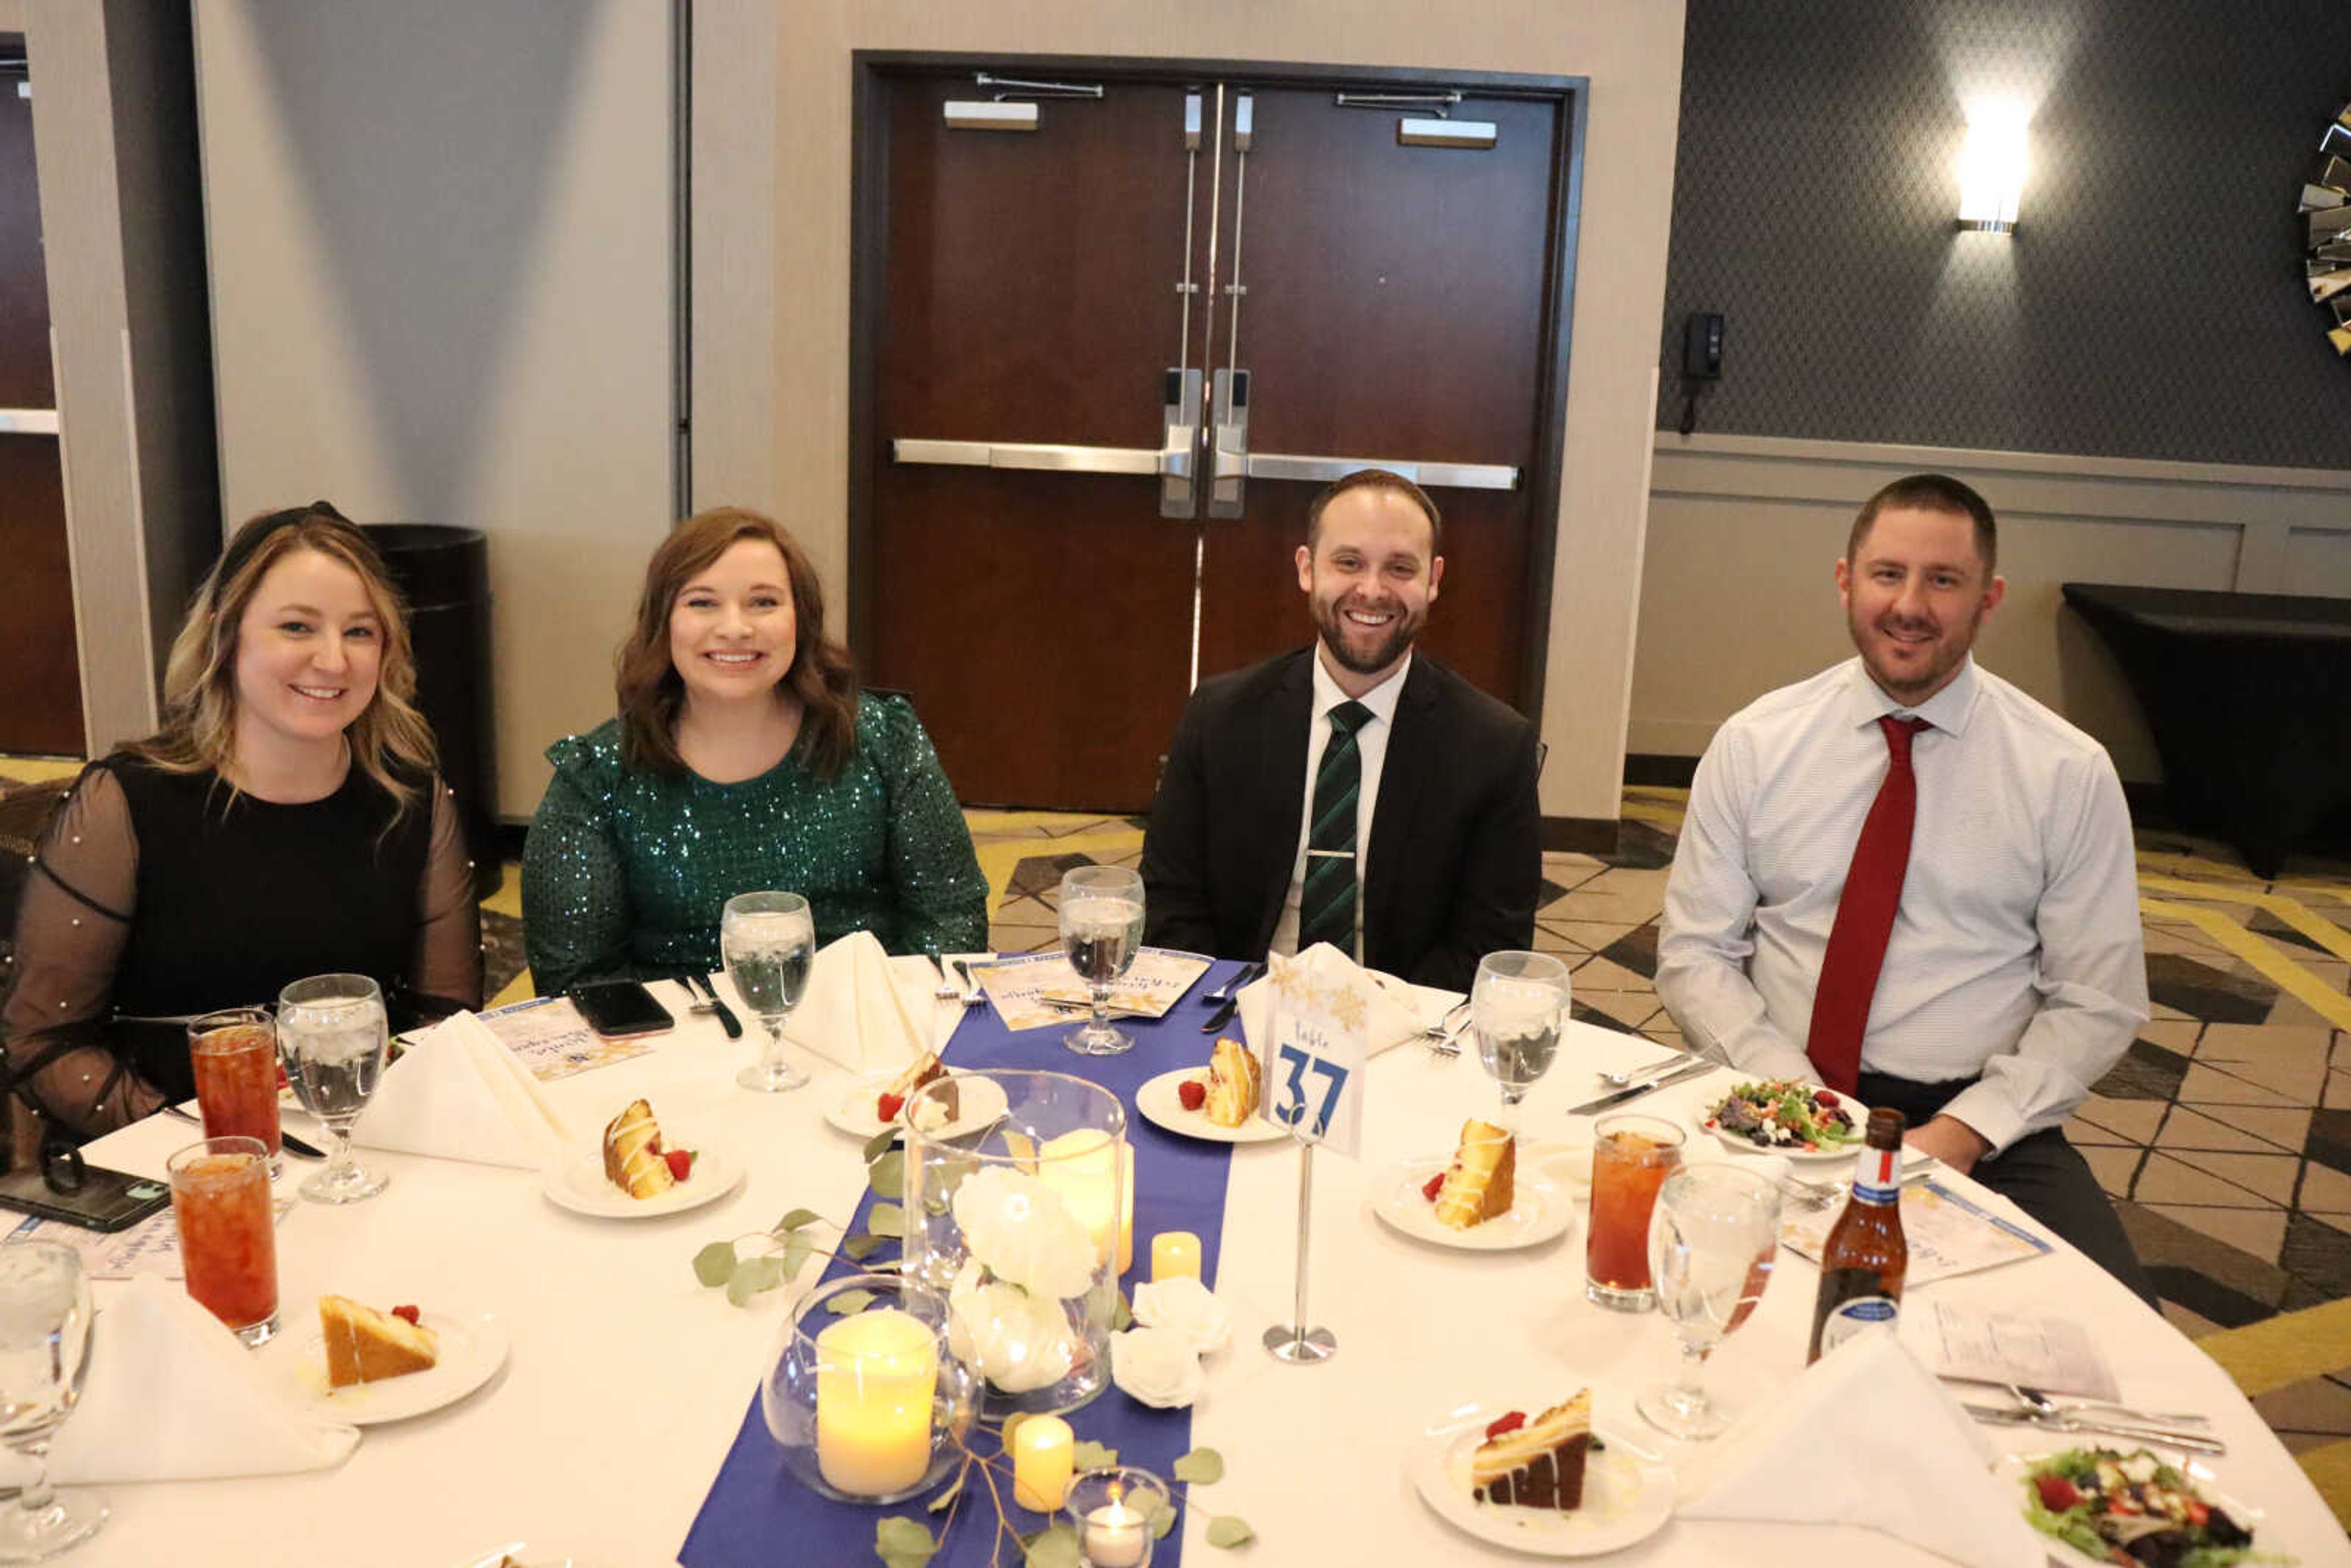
(1806, 1110)
(1626, 1496)
(2074, 1533)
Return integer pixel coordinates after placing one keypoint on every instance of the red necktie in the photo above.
(1864, 917)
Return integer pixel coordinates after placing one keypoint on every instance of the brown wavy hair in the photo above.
(652, 692)
(389, 739)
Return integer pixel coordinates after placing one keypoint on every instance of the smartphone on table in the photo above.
(102, 1199)
(621, 1009)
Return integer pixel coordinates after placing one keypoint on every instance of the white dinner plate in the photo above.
(1541, 1209)
(979, 1103)
(1626, 1497)
(577, 1181)
(1158, 1102)
(473, 1347)
(2012, 1468)
(1802, 1156)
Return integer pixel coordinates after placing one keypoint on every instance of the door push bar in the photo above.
(1323, 470)
(1046, 458)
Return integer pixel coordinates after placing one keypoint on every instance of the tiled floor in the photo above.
(2223, 1135)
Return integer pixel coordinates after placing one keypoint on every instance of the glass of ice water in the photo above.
(44, 1317)
(1101, 927)
(331, 1029)
(1713, 1237)
(1518, 1008)
(768, 941)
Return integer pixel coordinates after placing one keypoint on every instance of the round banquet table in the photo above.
(627, 1380)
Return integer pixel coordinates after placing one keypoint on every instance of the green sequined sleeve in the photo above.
(942, 897)
(575, 897)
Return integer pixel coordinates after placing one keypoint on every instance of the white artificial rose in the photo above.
(1185, 1306)
(1157, 1367)
(1017, 1341)
(1022, 1231)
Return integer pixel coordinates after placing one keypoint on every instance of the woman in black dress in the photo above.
(284, 822)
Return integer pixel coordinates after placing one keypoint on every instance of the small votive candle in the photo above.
(1174, 1255)
(1113, 1510)
(1042, 1450)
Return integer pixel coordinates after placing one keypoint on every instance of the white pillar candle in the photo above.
(1080, 1168)
(1117, 1536)
(876, 1374)
(1174, 1255)
(1042, 1451)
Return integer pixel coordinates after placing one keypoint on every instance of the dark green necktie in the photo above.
(1326, 903)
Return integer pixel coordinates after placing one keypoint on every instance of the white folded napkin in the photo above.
(460, 1094)
(1397, 1011)
(1867, 1437)
(173, 1397)
(862, 1008)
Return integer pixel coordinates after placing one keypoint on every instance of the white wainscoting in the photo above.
(1737, 595)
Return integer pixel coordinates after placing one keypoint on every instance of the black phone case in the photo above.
(107, 1200)
(621, 1009)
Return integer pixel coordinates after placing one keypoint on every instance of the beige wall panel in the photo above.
(1738, 595)
(440, 237)
(1630, 49)
(2318, 560)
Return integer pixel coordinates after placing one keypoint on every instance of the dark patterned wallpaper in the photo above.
(2149, 303)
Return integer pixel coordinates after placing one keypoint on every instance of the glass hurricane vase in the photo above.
(863, 1395)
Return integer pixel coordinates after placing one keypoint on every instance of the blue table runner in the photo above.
(757, 1513)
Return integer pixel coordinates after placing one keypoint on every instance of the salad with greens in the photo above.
(1786, 1117)
(2133, 1509)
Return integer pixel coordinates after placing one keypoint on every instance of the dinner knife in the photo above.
(1638, 1090)
(727, 1018)
(286, 1140)
(2008, 1416)
(1224, 1013)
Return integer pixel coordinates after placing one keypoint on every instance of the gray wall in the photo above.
(2150, 303)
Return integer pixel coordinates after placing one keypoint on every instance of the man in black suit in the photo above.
(1352, 791)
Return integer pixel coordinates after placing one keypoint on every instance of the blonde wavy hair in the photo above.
(390, 740)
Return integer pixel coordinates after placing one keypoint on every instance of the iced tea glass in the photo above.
(1631, 1157)
(233, 1054)
(228, 1232)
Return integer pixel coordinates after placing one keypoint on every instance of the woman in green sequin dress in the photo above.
(744, 758)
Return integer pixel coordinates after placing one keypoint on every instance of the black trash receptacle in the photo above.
(443, 572)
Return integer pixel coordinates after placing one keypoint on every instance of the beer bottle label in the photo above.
(1876, 1178)
(1849, 1318)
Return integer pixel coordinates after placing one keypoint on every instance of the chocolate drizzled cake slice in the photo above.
(1540, 1464)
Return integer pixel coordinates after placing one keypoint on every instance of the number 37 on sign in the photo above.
(1314, 1062)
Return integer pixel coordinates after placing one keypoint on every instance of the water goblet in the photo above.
(1101, 927)
(1518, 1008)
(44, 1320)
(1712, 1238)
(768, 941)
(331, 1030)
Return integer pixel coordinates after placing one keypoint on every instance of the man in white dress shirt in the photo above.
(2002, 974)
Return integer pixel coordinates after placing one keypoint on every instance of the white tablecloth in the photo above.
(628, 1380)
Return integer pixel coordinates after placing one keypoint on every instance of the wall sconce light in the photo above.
(1993, 165)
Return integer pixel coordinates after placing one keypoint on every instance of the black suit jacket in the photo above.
(1454, 858)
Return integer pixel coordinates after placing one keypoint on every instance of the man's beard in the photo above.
(1401, 633)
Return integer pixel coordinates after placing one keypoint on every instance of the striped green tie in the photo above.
(1326, 903)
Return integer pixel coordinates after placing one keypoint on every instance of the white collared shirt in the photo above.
(1372, 748)
(2017, 951)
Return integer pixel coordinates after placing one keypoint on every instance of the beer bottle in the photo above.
(1865, 1257)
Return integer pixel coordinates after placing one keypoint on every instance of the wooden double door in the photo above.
(1103, 364)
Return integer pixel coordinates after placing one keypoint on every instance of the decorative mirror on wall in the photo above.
(2327, 209)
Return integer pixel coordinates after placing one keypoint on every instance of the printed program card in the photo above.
(554, 1041)
(1313, 1065)
(2053, 1355)
(1948, 1234)
(1041, 988)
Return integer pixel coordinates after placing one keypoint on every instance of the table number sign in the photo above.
(1313, 1063)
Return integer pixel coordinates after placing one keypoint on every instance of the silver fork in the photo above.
(1632, 1075)
(2041, 1404)
(1444, 1036)
(1817, 1195)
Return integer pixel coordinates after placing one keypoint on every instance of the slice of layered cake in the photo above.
(941, 1105)
(1482, 1179)
(1233, 1084)
(364, 1345)
(632, 1153)
(1537, 1463)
